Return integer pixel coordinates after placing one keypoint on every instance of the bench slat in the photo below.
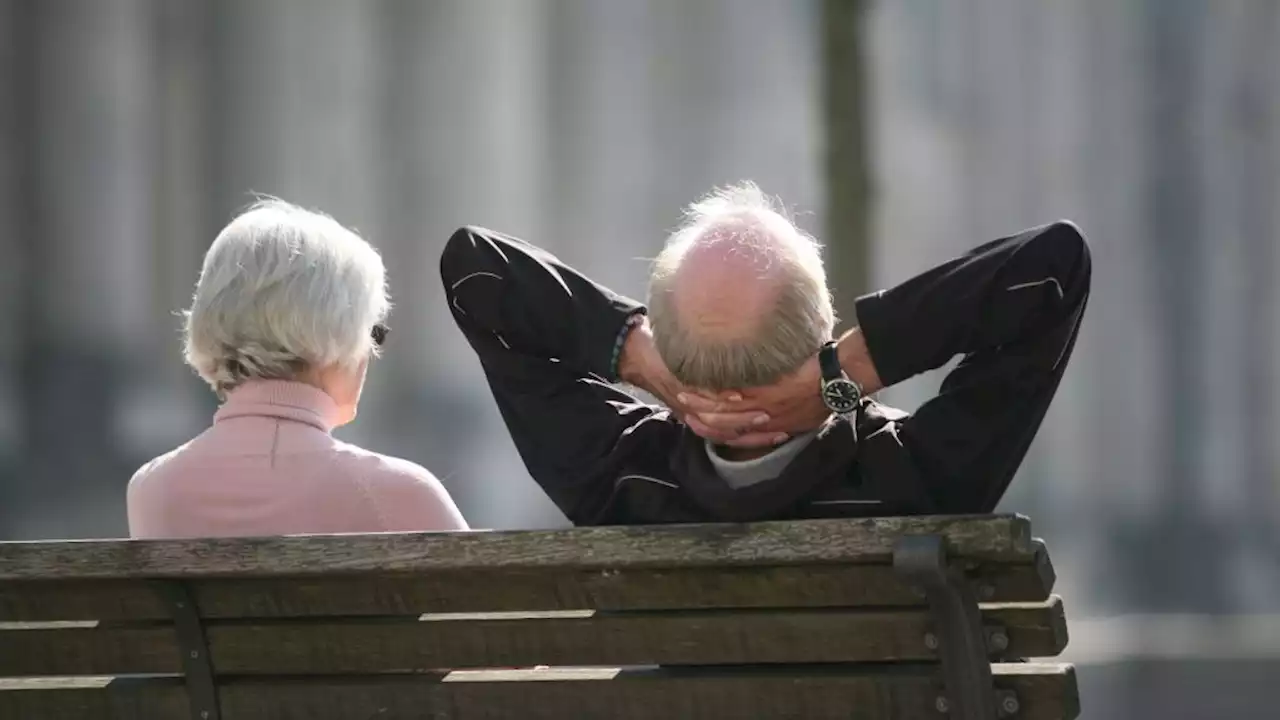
(512, 590)
(1046, 692)
(374, 645)
(865, 540)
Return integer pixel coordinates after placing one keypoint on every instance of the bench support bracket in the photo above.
(962, 643)
(196, 663)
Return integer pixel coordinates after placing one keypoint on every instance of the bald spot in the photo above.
(727, 283)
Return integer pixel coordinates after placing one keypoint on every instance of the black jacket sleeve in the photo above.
(1012, 309)
(546, 337)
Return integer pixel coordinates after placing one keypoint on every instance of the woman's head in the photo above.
(289, 294)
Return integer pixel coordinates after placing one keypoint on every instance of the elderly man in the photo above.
(771, 418)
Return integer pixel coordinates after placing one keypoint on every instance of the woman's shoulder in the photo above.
(405, 495)
(376, 467)
(156, 465)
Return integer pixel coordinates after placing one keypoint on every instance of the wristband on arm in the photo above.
(620, 341)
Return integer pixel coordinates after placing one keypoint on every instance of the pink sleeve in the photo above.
(138, 507)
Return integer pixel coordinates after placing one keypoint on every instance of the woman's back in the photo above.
(288, 311)
(268, 466)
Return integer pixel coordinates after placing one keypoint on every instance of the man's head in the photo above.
(738, 297)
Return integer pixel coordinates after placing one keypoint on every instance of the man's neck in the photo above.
(748, 467)
(741, 454)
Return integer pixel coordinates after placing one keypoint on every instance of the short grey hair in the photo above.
(800, 321)
(282, 290)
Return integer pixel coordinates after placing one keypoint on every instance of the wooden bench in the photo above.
(873, 618)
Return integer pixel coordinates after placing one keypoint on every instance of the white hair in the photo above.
(282, 290)
(801, 319)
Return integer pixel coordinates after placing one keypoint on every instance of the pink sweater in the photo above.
(269, 466)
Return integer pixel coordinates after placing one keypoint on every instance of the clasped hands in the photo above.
(748, 418)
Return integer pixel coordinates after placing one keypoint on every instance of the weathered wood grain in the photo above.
(92, 650)
(372, 645)
(1044, 625)
(868, 540)
(501, 591)
(902, 692)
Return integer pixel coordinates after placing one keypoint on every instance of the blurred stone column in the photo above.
(604, 60)
(166, 404)
(1046, 133)
(13, 249)
(294, 112)
(1270, 161)
(737, 96)
(461, 140)
(1113, 367)
(1174, 207)
(1238, 139)
(89, 274)
(655, 102)
(294, 106)
(1223, 272)
(846, 163)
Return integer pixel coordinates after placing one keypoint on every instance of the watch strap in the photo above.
(829, 362)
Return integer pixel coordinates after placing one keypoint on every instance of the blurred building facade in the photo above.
(131, 130)
(1156, 126)
(138, 127)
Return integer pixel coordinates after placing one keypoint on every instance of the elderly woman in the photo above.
(288, 310)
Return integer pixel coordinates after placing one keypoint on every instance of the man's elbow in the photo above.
(459, 256)
(1067, 252)
(1067, 239)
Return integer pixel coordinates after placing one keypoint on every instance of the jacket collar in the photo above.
(837, 454)
(821, 462)
(282, 399)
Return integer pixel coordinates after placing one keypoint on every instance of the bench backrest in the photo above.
(797, 619)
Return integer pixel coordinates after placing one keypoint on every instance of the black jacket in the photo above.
(545, 335)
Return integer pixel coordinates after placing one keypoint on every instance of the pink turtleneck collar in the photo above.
(280, 399)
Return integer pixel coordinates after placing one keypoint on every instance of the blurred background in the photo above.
(900, 131)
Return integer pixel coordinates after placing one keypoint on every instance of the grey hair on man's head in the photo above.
(800, 317)
(283, 290)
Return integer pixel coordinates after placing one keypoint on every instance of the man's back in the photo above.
(551, 342)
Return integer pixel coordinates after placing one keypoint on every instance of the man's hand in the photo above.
(640, 365)
(793, 404)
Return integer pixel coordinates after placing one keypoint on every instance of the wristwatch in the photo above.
(839, 393)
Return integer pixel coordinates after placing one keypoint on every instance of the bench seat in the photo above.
(807, 619)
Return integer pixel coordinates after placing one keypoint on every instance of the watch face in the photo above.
(841, 396)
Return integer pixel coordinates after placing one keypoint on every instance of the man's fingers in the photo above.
(703, 430)
(736, 422)
(703, 403)
(699, 403)
(734, 438)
